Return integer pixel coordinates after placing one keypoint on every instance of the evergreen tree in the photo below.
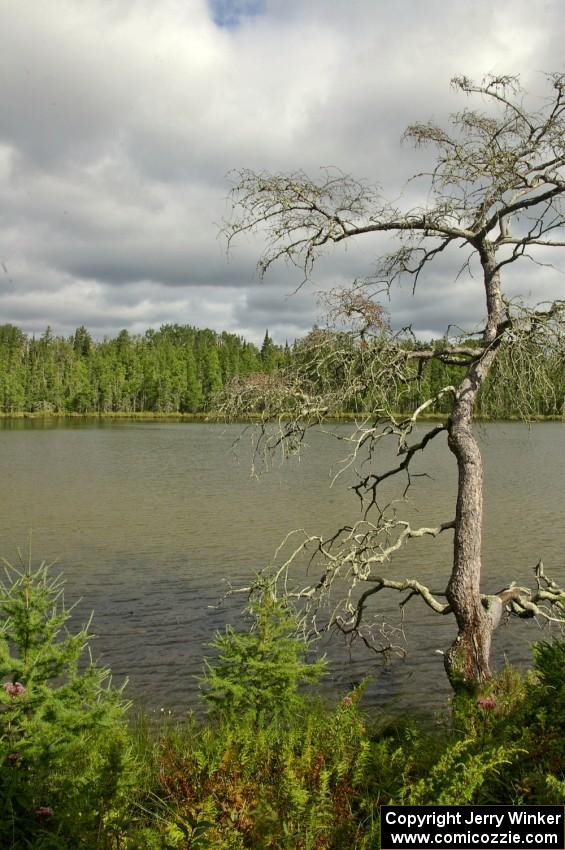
(82, 342)
(63, 741)
(268, 354)
(180, 369)
(212, 375)
(258, 672)
(192, 397)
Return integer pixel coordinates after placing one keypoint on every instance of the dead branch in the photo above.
(497, 189)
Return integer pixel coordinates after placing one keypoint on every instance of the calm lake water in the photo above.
(149, 520)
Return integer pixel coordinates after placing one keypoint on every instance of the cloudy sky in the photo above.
(121, 119)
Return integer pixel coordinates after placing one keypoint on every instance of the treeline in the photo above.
(522, 383)
(181, 369)
(526, 380)
(177, 369)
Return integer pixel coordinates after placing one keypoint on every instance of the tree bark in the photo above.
(467, 660)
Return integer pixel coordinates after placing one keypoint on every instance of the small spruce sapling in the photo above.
(63, 744)
(258, 672)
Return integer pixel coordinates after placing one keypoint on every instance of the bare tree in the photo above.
(497, 190)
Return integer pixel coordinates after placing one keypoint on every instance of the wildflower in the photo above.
(347, 701)
(14, 688)
(45, 812)
(486, 703)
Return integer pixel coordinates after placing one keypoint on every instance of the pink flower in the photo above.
(486, 703)
(14, 688)
(45, 812)
(347, 701)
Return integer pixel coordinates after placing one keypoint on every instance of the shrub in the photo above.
(259, 671)
(298, 783)
(64, 746)
(540, 777)
(518, 720)
(271, 768)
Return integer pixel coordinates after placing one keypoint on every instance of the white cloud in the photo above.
(121, 119)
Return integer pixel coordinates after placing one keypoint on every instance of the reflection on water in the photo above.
(150, 521)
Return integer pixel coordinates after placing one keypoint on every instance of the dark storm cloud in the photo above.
(130, 261)
(120, 121)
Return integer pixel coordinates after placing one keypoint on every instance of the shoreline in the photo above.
(211, 418)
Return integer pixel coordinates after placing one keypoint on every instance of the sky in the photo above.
(121, 120)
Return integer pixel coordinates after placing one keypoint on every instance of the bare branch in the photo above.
(497, 189)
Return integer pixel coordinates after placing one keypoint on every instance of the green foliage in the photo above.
(268, 354)
(525, 381)
(259, 671)
(549, 663)
(212, 375)
(525, 717)
(271, 769)
(177, 369)
(541, 721)
(459, 774)
(64, 750)
(180, 369)
(296, 783)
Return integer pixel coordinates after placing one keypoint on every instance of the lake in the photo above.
(149, 521)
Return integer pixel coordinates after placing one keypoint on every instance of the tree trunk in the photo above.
(467, 660)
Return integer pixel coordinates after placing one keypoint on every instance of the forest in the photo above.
(182, 369)
(177, 369)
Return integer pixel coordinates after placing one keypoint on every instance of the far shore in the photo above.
(212, 418)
